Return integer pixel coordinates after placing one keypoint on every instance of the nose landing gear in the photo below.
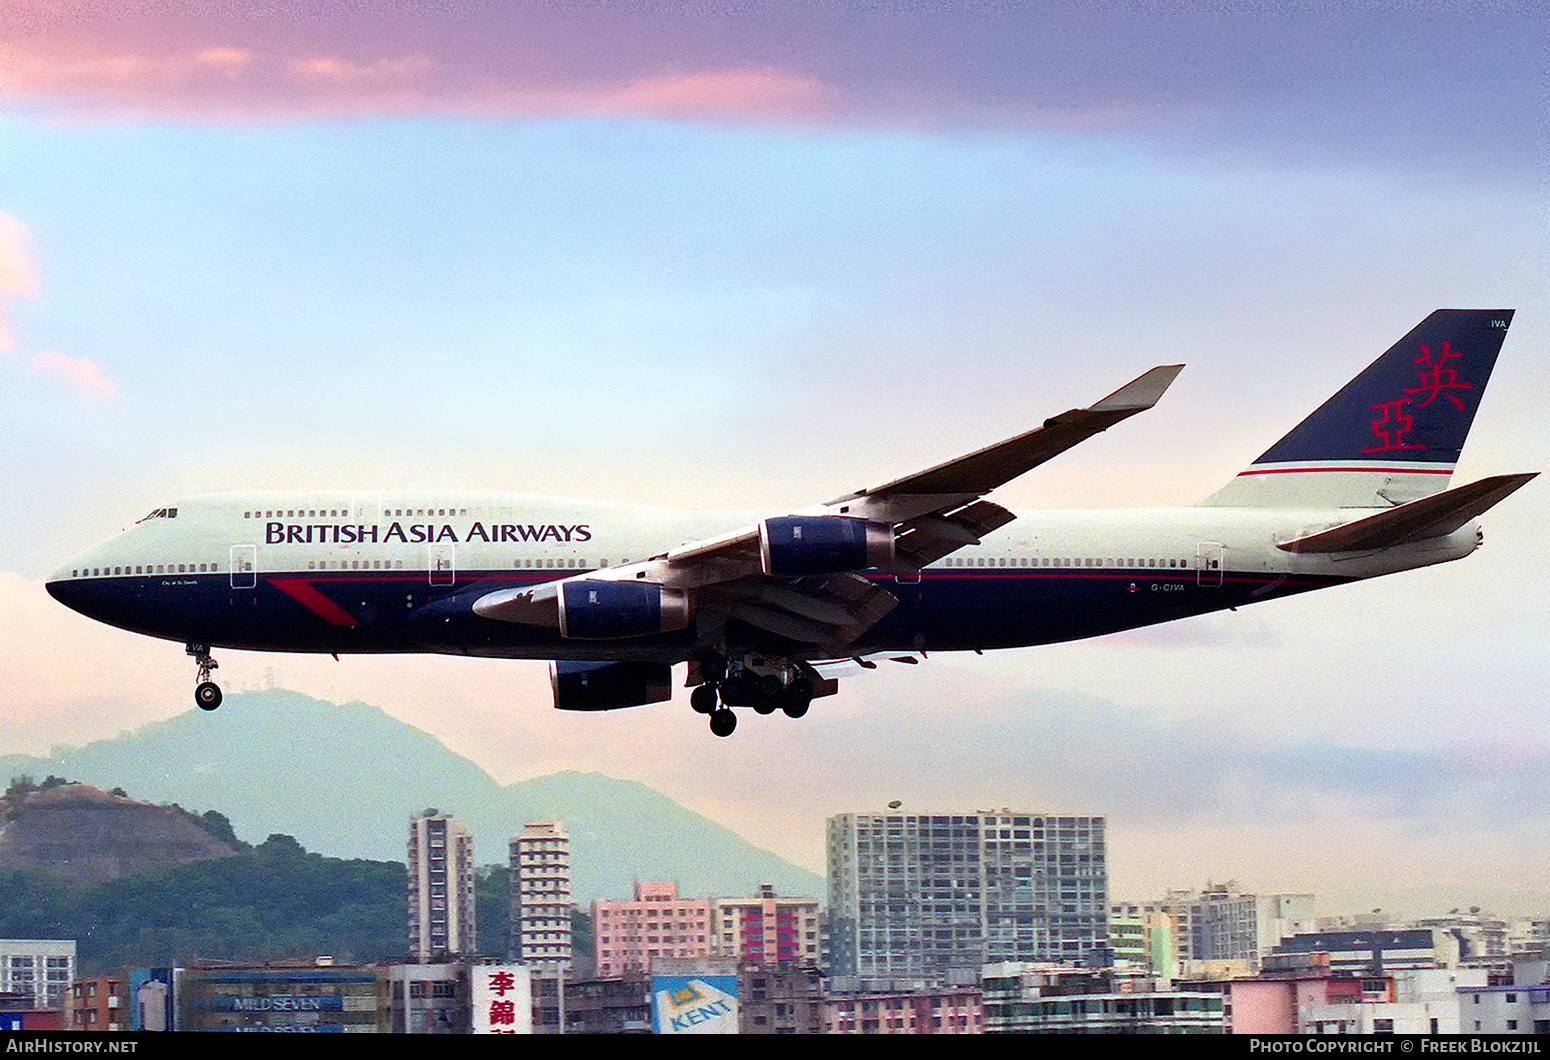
(207, 694)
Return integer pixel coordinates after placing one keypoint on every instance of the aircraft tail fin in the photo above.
(1434, 516)
(1390, 436)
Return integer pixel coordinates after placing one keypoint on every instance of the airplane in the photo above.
(768, 612)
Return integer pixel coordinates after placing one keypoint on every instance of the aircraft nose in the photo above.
(68, 587)
(87, 589)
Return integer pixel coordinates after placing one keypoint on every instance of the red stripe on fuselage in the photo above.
(307, 596)
(1318, 470)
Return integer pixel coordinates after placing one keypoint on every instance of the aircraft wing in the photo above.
(929, 515)
(983, 470)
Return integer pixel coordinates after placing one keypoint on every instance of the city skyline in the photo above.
(758, 260)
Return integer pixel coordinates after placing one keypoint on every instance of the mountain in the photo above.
(78, 833)
(345, 780)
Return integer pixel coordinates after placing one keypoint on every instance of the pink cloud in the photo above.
(78, 373)
(755, 93)
(201, 80)
(315, 59)
(19, 278)
(17, 275)
(332, 70)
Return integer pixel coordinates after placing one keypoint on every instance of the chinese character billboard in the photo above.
(502, 999)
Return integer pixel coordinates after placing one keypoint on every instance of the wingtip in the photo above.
(1143, 391)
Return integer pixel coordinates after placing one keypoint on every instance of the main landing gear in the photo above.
(207, 694)
(764, 685)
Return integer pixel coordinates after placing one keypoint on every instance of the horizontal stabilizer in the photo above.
(1434, 516)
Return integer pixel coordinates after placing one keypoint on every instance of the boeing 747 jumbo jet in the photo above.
(765, 616)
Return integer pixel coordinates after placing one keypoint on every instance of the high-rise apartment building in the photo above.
(766, 929)
(937, 896)
(658, 924)
(1220, 923)
(40, 968)
(540, 896)
(441, 888)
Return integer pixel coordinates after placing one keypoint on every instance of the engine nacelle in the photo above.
(608, 610)
(793, 546)
(609, 685)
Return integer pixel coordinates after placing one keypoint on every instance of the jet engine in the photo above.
(607, 610)
(794, 546)
(609, 685)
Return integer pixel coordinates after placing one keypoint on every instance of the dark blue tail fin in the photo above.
(1392, 434)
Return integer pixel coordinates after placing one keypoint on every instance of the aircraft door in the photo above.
(1208, 565)
(244, 566)
(442, 564)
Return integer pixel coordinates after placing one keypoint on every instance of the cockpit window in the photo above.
(160, 513)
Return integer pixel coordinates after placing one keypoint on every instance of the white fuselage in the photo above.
(351, 568)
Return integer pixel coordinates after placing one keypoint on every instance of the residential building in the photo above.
(1220, 923)
(1482, 937)
(766, 929)
(936, 896)
(540, 897)
(42, 969)
(1043, 998)
(1272, 1002)
(629, 936)
(1516, 1009)
(1144, 939)
(1370, 954)
(609, 1005)
(441, 889)
(1528, 938)
(781, 1000)
(929, 1010)
(97, 1005)
(1417, 1001)
(429, 999)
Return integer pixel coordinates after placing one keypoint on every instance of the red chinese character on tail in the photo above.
(1439, 380)
(1391, 427)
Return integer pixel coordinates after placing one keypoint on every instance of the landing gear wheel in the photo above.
(703, 699)
(723, 722)
(207, 694)
(738, 691)
(798, 697)
(767, 693)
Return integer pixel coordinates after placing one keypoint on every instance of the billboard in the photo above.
(502, 999)
(703, 1004)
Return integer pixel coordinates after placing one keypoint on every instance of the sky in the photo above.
(755, 256)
